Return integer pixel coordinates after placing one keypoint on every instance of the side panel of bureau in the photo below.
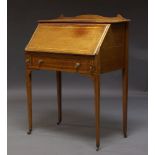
(113, 48)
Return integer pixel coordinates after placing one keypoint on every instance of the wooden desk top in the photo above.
(82, 35)
(87, 19)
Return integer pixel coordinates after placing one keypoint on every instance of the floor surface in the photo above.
(76, 134)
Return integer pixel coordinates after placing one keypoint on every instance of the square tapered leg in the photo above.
(58, 78)
(125, 98)
(29, 99)
(97, 108)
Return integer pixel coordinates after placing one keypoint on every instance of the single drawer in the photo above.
(71, 63)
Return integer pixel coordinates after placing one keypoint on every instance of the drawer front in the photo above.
(81, 64)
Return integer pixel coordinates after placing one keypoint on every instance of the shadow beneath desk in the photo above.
(78, 117)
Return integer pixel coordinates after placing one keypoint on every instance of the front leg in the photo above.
(96, 79)
(58, 77)
(29, 99)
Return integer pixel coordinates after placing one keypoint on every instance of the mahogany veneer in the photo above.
(85, 44)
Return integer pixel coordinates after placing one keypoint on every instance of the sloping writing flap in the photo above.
(83, 39)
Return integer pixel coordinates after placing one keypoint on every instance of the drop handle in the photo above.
(91, 68)
(27, 61)
(40, 61)
(77, 65)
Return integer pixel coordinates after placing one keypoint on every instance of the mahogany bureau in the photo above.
(87, 44)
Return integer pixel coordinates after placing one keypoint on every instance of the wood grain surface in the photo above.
(83, 44)
(81, 39)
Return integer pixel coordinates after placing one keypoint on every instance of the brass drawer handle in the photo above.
(27, 61)
(40, 61)
(77, 65)
(91, 68)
